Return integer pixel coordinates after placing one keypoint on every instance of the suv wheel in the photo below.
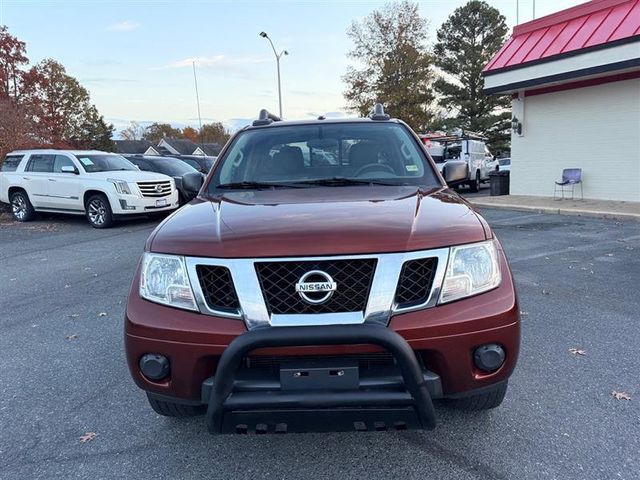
(482, 401)
(99, 212)
(21, 207)
(178, 410)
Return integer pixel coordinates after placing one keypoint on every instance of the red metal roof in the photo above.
(587, 25)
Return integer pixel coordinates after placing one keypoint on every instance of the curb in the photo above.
(560, 211)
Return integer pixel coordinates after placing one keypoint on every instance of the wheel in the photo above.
(21, 207)
(482, 401)
(99, 212)
(178, 410)
(475, 185)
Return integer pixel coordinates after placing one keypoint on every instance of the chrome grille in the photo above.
(353, 278)
(217, 287)
(155, 189)
(416, 279)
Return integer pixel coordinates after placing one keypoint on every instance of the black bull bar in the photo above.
(223, 399)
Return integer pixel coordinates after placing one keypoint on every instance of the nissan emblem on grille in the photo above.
(316, 287)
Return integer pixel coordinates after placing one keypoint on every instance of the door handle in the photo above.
(26, 178)
(52, 179)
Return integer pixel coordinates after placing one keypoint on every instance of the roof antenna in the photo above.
(195, 80)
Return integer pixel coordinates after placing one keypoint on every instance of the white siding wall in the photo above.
(593, 128)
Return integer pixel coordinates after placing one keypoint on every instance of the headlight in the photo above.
(164, 280)
(472, 269)
(121, 186)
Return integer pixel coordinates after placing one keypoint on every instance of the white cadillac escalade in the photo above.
(100, 185)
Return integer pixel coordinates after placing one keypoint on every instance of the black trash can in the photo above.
(499, 183)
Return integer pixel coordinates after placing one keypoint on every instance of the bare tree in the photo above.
(134, 131)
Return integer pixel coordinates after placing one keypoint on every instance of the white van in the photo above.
(97, 184)
(462, 146)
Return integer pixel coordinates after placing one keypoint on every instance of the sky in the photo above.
(135, 56)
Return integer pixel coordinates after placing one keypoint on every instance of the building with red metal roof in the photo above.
(574, 77)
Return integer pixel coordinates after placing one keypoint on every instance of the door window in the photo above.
(62, 161)
(41, 163)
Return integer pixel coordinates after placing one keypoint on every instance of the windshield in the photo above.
(172, 167)
(104, 163)
(332, 154)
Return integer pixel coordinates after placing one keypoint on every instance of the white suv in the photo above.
(97, 184)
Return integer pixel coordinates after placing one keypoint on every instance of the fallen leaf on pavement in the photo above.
(620, 395)
(73, 336)
(67, 286)
(577, 351)
(87, 437)
(102, 314)
(546, 292)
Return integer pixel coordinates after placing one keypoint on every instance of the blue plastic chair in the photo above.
(570, 178)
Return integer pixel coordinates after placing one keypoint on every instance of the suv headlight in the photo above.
(121, 186)
(472, 269)
(164, 279)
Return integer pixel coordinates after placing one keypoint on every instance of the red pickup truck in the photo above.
(324, 278)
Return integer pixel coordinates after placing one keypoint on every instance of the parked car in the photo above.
(172, 167)
(202, 163)
(103, 186)
(465, 148)
(289, 296)
(504, 164)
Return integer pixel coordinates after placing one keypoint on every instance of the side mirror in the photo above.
(192, 182)
(455, 171)
(69, 169)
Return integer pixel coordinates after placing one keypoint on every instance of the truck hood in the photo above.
(131, 176)
(318, 221)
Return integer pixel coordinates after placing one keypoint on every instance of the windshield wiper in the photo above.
(343, 181)
(254, 185)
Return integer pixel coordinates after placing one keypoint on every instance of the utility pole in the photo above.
(195, 80)
(534, 9)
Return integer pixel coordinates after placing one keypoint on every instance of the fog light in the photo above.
(154, 366)
(125, 206)
(489, 357)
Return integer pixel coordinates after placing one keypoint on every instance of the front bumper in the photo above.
(135, 205)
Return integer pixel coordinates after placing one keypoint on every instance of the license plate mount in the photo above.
(333, 374)
(161, 203)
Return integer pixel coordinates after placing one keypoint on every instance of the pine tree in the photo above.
(465, 44)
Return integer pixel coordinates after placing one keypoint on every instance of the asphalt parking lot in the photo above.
(63, 287)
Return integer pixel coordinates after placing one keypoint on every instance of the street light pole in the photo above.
(278, 56)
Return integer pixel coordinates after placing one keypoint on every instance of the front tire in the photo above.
(475, 185)
(21, 207)
(482, 401)
(99, 212)
(176, 410)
